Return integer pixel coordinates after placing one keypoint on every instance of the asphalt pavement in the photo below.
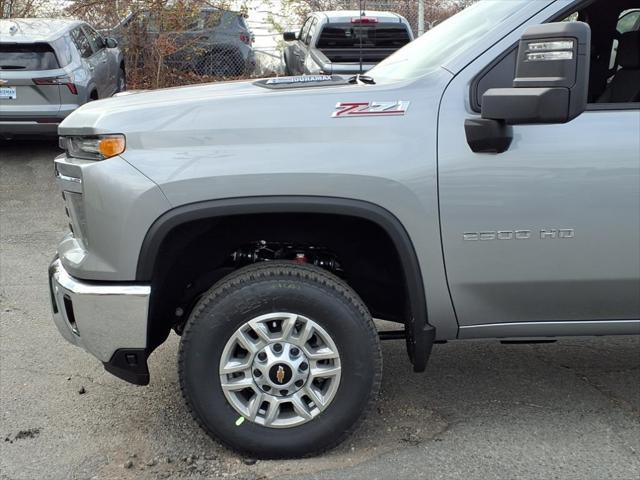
(482, 410)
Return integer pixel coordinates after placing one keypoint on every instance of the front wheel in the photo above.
(280, 360)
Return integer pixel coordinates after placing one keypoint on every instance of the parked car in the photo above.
(214, 42)
(48, 68)
(489, 189)
(344, 42)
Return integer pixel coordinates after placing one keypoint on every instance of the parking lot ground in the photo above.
(568, 410)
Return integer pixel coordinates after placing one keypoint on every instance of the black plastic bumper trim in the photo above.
(130, 365)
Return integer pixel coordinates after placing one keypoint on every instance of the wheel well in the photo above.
(93, 95)
(122, 66)
(191, 256)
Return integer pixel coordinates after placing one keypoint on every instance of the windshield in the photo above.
(445, 40)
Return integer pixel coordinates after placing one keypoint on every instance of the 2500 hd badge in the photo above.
(545, 234)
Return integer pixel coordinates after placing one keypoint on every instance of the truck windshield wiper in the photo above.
(362, 78)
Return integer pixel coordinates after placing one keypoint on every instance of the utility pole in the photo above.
(420, 17)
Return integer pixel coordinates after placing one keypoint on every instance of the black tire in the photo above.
(276, 287)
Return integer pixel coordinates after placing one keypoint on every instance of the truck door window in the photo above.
(609, 26)
(305, 29)
(312, 31)
(629, 21)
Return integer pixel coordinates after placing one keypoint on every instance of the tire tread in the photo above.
(267, 271)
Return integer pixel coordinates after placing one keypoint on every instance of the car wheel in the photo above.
(280, 360)
(121, 85)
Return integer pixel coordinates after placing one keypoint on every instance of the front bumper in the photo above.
(43, 123)
(108, 320)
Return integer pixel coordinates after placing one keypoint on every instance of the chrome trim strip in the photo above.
(67, 178)
(550, 329)
(82, 288)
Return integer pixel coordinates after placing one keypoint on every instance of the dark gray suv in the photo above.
(212, 41)
(48, 68)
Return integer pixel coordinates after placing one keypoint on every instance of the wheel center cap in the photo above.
(280, 374)
(280, 369)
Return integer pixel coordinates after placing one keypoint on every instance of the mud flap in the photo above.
(420, 337)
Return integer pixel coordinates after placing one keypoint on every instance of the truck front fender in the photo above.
(420, 334)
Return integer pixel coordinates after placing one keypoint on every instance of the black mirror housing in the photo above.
(552, 77)
(111, 42)
(289, 36)
(527, 105)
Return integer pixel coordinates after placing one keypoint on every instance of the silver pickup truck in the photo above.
(482, 182)
(344, 42)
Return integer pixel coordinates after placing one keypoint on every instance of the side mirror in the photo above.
(111, 42)
(550, 85)
(289, 36)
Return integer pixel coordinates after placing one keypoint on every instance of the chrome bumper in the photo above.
(99, 317)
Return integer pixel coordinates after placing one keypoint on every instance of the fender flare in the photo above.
(420, 334)
(91, 87)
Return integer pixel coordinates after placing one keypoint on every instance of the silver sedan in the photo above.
(48, 68)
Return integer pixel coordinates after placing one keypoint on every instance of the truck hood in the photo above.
(99, 117)
(231, 116)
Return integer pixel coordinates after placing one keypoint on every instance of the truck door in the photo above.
(548, 231)
(299, 48)
(307, 45)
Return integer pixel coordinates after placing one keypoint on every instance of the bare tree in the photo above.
(27, 8)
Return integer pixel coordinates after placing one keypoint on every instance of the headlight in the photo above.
(93, 147)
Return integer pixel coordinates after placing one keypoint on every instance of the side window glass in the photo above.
(82, 42)
(312, 31)
(305, 29)
(95, 38)
(629, 21)
(499, 75)
(608, 83)
(571, 18)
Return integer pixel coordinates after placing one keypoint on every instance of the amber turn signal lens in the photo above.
(111, 146)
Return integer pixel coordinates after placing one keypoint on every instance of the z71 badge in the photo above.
(370, 109)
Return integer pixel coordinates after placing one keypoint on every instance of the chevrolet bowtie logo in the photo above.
(280, 374)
